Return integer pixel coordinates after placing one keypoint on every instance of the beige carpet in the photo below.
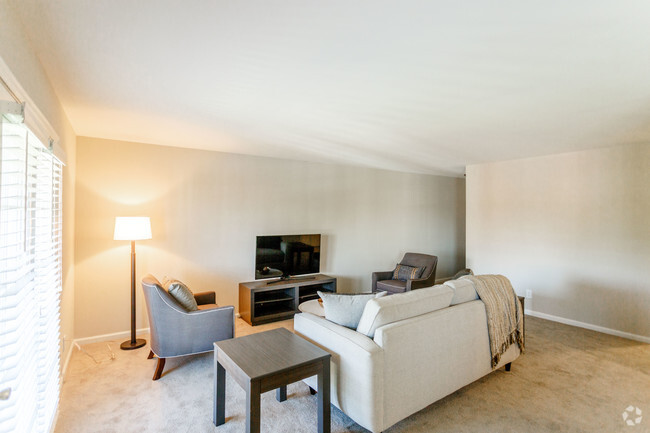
(570, 379)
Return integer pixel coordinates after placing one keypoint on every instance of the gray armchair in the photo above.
(383, 281)
(177, 332)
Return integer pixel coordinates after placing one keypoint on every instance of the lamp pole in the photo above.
(134, 343)
(132, 229)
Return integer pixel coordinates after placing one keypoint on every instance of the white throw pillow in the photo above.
(346, 310)
(464, 290)
(400, 306)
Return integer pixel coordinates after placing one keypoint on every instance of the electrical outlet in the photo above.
(529, 294)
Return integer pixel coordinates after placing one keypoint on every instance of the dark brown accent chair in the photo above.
(383, 281)
(178, 332)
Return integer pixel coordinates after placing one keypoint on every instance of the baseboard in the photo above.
(66, 361)
(109, 337)
(589, 326)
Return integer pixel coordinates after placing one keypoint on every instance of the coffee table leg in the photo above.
(253, 407)
(219, 410)
(324, 425)
(281, 393)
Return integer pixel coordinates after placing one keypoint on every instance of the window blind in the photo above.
(30, 280)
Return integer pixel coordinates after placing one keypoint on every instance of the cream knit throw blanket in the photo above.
(504, 313)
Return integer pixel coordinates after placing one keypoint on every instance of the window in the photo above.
(30, 280)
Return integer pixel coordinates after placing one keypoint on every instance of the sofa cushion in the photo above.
(380, 312)
(392, 286)
(182, 294)
(464, 290)
(346, 310)
(406, 272)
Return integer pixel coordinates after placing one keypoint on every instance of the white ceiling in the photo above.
(418, 86)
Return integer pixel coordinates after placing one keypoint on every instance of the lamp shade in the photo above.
(132, 228)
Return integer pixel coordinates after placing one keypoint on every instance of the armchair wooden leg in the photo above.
(159, 368)
(312, 391)
(508, 366)
(150, 354)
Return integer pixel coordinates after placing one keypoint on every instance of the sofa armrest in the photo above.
(203, 298)
(324, 333)
(380, 276)
(356, 368)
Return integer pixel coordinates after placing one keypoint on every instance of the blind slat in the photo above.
(30, 280)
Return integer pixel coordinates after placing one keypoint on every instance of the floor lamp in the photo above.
(132, 229)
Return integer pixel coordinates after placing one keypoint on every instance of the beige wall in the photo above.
(17, 53)
(573, 228)
(207, 207)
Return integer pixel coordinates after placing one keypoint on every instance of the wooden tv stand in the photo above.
(269, 301)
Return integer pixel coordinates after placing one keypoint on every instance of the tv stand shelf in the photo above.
(269, 301)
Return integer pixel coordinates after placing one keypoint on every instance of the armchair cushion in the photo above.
(182, 294)
(391, 286)
(406, 272)
(346, 310)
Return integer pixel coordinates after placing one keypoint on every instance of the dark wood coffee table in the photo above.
(265, 361)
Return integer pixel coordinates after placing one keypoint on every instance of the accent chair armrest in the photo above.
(203, 298)
(419, 283)
(185, 333)
(380, 276)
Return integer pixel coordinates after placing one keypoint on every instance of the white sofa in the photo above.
(414, 348)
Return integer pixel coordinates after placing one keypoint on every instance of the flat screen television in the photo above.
(287, 255)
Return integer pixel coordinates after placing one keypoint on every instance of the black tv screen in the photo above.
(287, 255)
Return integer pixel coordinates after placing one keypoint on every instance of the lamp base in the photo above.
(130, 345)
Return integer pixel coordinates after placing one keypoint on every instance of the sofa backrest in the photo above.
(430, 356)
(464, 290)
(388, 309)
